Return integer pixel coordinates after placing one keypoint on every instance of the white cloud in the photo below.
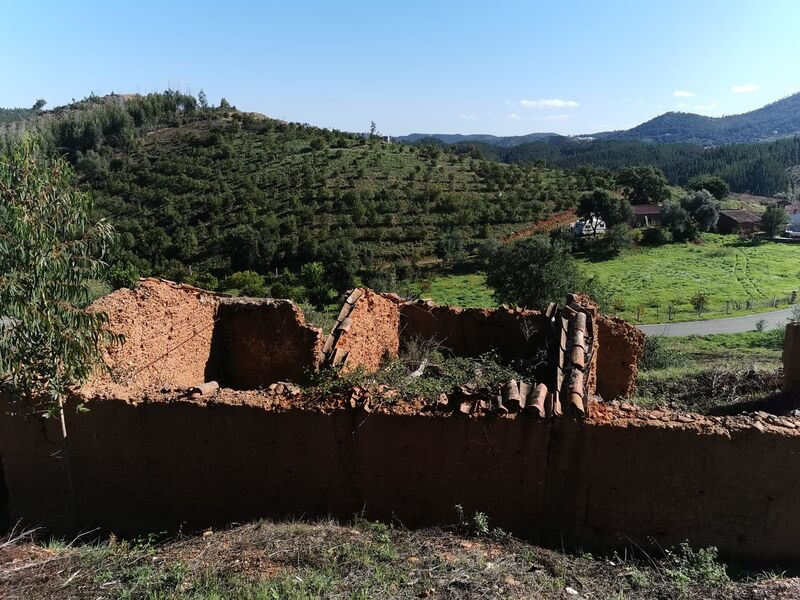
(745, 88)
(514, 117)
(467, 117)
(683, 94)
(705, 107)
(551, 103)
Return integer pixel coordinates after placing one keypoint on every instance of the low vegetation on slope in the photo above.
(302, 560)
(714, 374)
(730, 275)
(722, 275)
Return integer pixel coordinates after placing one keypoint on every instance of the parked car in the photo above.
(792, 232)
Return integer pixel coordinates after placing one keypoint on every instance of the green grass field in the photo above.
(728, 270)
(645, 281)
(458, 290)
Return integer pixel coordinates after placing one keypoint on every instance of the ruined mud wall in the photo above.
(257, 342)
(178, 336)
(513, 333)
(791, 360)
(168, 329)
(367, 331)
(620, 346)
(605, 481)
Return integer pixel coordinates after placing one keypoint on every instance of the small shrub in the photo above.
(699, 301)
(760, 325)
(246, 283)
(700, 567)
(123, 275)
(655, 236)
(480, 523)
(658, 355)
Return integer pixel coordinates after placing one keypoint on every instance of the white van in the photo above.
(591, 226)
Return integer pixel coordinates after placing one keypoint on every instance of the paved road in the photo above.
(773, 320)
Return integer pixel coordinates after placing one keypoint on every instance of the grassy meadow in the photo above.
(643, 282)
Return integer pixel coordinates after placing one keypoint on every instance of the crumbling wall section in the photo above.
(513, 333)
(791, 360)
(259, 341)
(168, 329)
(178, 336)
(367, 331)
(620, 346)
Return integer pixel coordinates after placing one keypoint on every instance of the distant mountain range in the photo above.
(780, 119)
(494, 140)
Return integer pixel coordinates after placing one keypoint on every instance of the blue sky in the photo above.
(497, 67)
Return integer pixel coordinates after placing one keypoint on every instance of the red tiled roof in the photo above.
(646, 209)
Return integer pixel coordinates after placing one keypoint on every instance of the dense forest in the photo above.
(198, 192)
(761, 169)
(10, 115)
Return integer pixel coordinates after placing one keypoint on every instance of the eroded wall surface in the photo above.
(168, 329)
(513, 333)
(606, 481)
(178, 336)
(620, 346)
(367, 331)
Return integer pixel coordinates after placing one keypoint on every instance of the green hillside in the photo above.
(195, 189)
(775, 120)
(11, 115)
(762, 169)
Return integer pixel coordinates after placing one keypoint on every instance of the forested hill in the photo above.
(9, 115)
(761, 169)
(777, 120)
(198, 190)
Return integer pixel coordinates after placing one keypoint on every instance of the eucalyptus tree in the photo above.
(50, 252)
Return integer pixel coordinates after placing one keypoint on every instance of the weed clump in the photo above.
(687, 567)
(424, 369)
(658, 355)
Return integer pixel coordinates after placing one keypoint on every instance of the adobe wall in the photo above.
(514, 333)
(791, 360)
(178, 336)
(367, 331)
(168, 329)
(614, 479)
(620, 346)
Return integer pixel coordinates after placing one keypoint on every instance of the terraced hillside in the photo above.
(198, 189)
